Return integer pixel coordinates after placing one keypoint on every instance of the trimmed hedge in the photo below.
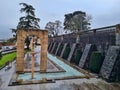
(96, 61)
(77, 56)
(66, 53)
(60, 50)
(55, 48)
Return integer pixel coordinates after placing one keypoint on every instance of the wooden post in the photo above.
(33, 64)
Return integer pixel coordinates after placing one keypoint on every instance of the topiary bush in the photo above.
(60, 50)
(96, 61)
(55, 48)
(66, 53)
(77, 56)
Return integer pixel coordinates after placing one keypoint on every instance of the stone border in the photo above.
(20, 82)
(86, 73)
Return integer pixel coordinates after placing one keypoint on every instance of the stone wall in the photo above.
(88, 42)
(101, 37)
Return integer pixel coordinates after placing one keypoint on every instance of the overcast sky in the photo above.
(104, 12)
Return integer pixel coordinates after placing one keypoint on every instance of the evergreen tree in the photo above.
(29, 21)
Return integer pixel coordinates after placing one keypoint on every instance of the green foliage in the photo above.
(54, 27)
(0, 54)
(77, 56)
(96, 61)
(66, 52)
(55, 48)
(14, 31)
(77, 21)
(29, 21)
(27, 50)
(4, 43)
(60, 50)
(8, 57)
(27, 41)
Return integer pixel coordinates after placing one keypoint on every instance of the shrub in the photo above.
(66, 52)
(60, 50)
(77, 56)
(0, 55)
(96, 61)
(55, 48)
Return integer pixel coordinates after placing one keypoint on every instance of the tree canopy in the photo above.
(77, 21)
(29, 21)
(54, 27)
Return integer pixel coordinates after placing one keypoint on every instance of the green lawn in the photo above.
(8, 57)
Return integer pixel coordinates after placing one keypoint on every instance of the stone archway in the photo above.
(21, 36)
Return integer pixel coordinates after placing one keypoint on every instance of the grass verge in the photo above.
(7, 58)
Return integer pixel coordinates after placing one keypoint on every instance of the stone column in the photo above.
(20, 52)
(44, 45)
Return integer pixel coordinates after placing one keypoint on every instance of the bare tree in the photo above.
(54, 27)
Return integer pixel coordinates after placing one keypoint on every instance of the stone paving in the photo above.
(71, 84)
(28, 62)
